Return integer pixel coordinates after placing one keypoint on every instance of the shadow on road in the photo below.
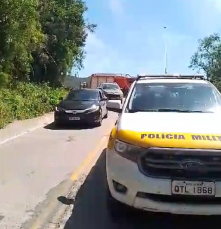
(53, 126)
(90, 210)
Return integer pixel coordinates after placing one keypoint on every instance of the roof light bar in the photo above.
(171, 76)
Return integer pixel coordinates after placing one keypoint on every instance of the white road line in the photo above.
(21, 134)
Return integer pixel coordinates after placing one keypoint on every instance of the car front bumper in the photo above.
(114, 97)
(153, 194)
(89, 118)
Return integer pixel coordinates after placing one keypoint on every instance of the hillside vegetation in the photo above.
(40, 42)
(207, 58)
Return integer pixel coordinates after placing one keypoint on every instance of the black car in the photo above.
(87, 106)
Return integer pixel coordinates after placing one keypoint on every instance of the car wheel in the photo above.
(57, 124)
(106, 115)
(99, 123)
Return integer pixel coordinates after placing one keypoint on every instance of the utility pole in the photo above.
(165, 49)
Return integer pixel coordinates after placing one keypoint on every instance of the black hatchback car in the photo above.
(85, 106)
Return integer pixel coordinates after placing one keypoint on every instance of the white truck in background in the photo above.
(111, 84)
(99, 78)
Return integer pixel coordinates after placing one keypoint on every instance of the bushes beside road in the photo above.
(41, 42)
(27, 100)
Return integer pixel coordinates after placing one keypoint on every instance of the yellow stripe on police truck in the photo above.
(175, 140)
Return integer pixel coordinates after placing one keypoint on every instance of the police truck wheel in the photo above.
(99, 122)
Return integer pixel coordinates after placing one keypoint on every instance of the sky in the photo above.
(130, 37)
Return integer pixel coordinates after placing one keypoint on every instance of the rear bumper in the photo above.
(89, 118)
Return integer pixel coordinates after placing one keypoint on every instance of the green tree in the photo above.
(41, 40)
(208, 57)
(66, 31)
(20, 34)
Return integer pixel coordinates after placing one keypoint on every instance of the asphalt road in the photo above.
(40, 166)
(90, 212)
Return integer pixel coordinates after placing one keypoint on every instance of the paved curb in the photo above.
(58, 218)
(19, 128)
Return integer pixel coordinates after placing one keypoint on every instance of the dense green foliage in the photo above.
(208, 58)
(27, 100)
(40, 42)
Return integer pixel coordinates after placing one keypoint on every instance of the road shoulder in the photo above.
(19, 128)
(61, 214)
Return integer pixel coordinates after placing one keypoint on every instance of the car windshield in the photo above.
(174, 97)
(82, 95)
(110, 86)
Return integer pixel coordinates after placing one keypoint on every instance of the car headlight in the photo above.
(59, 109)
(93, 108)
(129, 151)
